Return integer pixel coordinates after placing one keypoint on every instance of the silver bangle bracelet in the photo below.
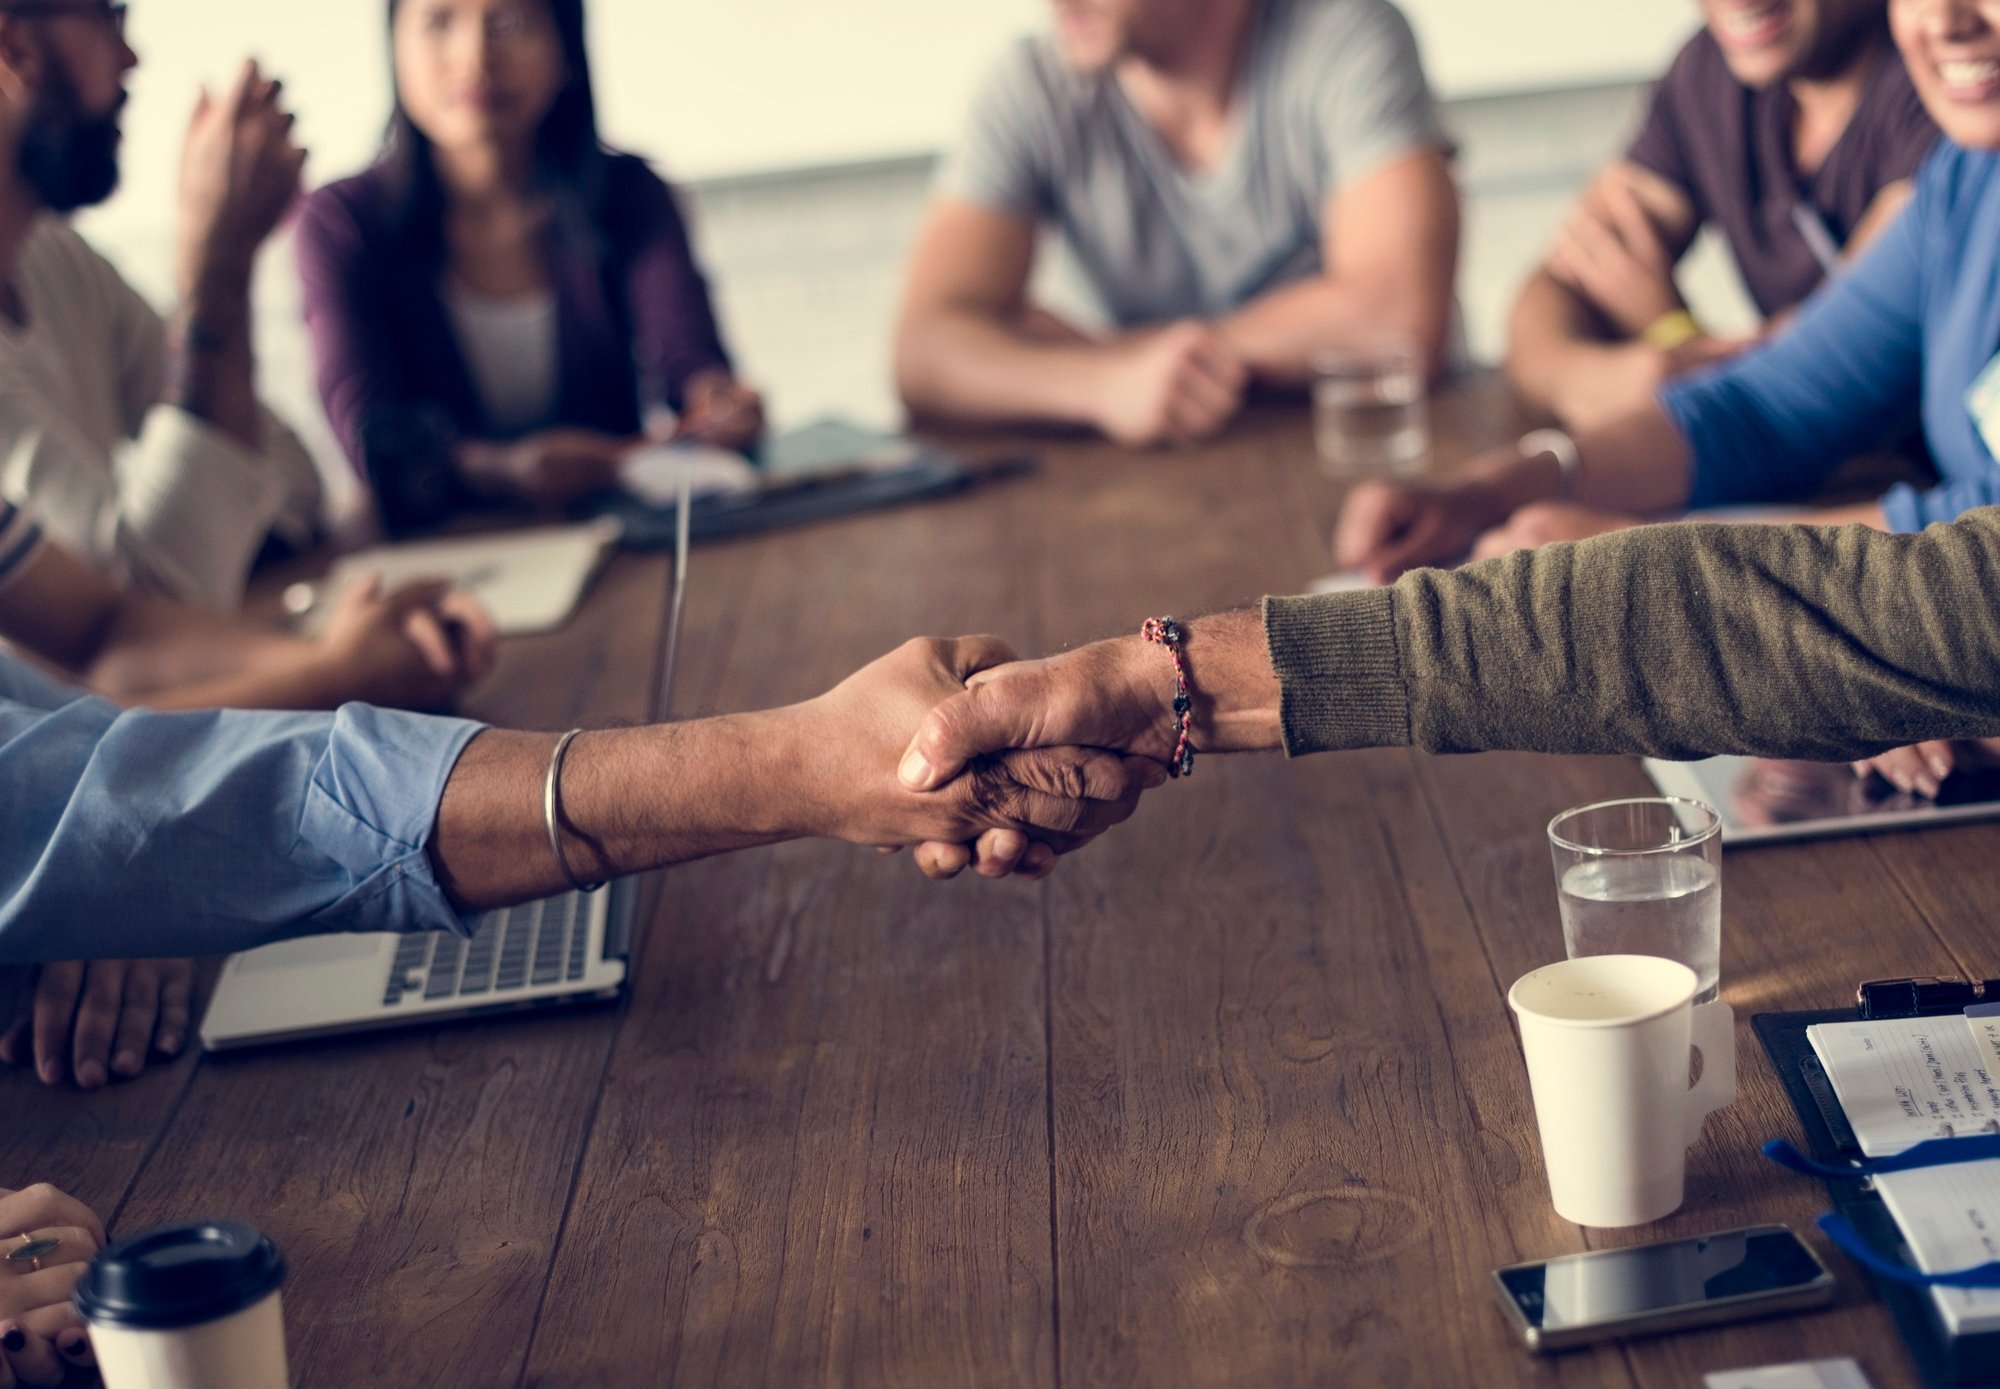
(552, 812)
(1559, 446)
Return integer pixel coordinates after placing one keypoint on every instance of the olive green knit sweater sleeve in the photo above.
(1675, 641)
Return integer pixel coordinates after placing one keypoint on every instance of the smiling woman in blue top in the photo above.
(1908, 335)
(1243, 183)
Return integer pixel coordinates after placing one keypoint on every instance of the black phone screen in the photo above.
(1593, 1289)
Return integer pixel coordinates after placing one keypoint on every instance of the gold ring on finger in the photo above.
(31, 1250)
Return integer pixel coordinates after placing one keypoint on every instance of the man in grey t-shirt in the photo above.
(1243, 183)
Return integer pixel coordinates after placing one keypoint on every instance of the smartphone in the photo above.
(1645, 1289)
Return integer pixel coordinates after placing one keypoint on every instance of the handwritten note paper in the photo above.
(1950, 1217)
(1904, 1080)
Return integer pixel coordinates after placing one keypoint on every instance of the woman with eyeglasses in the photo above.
(501, 307)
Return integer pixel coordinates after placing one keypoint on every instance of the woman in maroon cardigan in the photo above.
(500, 306)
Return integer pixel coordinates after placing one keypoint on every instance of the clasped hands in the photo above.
(974, 758)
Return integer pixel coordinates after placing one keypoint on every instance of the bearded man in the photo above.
(139, 443)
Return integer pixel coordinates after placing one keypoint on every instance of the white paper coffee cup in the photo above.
(191, 1306)
(1608, 1040)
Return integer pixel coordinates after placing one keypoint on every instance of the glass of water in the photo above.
(1643, 877)
(1370, 415)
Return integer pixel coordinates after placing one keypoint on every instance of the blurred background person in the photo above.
(140, 443)
(417, 648)
(1243, 182)
(500, 302)
(1791, 128)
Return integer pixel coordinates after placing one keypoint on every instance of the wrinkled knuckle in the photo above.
(1072, 779)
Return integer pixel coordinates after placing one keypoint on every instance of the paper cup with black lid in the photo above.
(191, 1306)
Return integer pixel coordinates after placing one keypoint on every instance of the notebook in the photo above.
(1900, 1082)
(529, 580)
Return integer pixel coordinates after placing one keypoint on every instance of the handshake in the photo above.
(981, 760)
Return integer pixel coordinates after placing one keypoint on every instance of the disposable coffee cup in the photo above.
(1609, 1040)
(187, 1307)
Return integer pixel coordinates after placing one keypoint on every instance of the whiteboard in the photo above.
(761, 85)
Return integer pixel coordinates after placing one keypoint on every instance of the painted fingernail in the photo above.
(914, 771)
(14, 1338)
(91, 1074)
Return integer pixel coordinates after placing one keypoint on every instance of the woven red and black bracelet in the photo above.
(1170, 634)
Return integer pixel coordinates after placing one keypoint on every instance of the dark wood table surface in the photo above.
(1232, 1099)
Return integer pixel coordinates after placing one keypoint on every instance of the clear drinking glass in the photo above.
(1643, 877)
(1371, 417)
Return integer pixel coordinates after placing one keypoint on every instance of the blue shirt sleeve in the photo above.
(133, 833)
(1844, 377)
(1908, 509)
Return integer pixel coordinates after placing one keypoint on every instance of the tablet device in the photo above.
(1763, 800)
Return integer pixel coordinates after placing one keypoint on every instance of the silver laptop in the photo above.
(567, 949)
(1766, 802)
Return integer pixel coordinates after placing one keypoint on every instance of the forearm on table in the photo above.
(176, 657)
(975, 365)
(1677, 641)
(1277, 335)
(1553, 339)
(1637, 465)
(632, 800)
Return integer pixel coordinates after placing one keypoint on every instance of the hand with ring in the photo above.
(47, 1239)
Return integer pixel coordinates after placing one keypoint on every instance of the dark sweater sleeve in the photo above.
(674, 330)
(400, 445)
(1674, 641)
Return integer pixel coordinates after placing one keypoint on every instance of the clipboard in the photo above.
(1943, 1360)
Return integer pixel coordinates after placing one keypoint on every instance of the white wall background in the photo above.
(756, 85)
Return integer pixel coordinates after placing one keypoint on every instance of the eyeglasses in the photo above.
(112, 16)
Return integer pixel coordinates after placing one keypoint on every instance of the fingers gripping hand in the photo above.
(850, 740)
(1063, 747)
(1086, 698)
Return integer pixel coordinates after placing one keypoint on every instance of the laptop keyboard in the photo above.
(514, 948)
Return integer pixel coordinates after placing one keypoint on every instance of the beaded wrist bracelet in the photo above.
(1166, 632)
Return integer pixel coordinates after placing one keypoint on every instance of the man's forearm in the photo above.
(632, 800)
(1635, 465)
(1553, 339)
(212, 364)
(176, 657)
(1277, 335)
(962, 365)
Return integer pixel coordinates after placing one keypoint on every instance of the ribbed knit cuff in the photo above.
(1339, 671)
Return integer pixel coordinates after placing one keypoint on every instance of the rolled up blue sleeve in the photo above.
(133, 833)
(1843, 378)
(1910, 509)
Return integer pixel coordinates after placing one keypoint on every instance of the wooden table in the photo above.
(1233, 1099)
